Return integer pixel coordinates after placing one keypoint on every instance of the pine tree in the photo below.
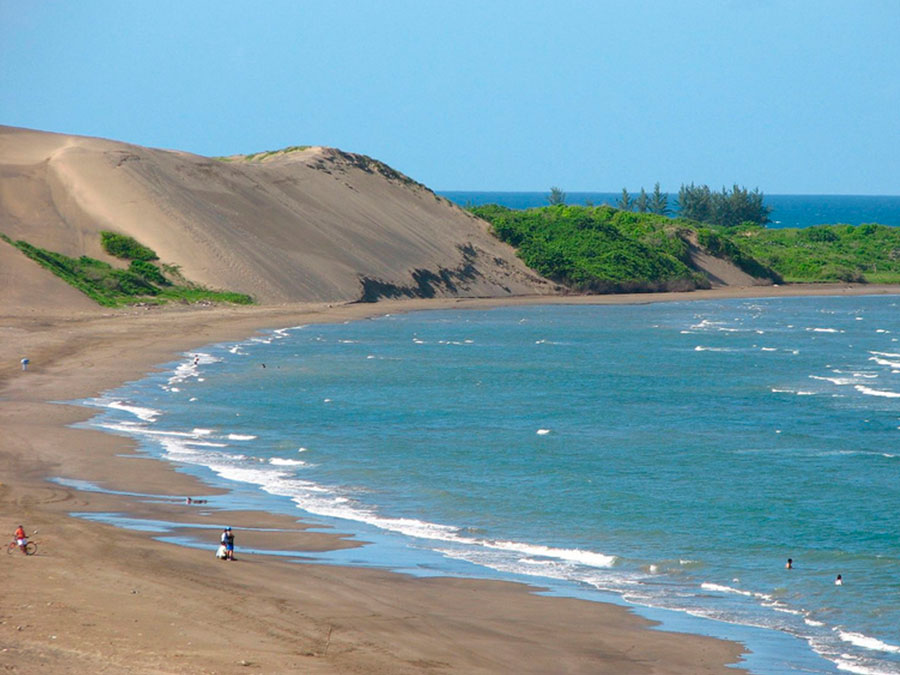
(659, 201)
(642, 203)
(625, 203)
(556, 196)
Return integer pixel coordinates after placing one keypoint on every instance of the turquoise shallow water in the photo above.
(673, 454)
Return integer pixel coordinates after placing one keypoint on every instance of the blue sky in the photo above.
(790, 97)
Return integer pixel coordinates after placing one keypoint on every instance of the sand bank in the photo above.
(103, 599)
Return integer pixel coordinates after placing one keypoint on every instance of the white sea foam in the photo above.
(700, 348)
(321, 501)
(706, 323)
(867, 642)
(824, 330)
(884, 362)
(868, 391)
(710, 586)
(133, 428)
(543, 432)
(195, 452)
(146, 414)
(769, 349)
(851, 665)
(840, 381)
(575, 555)
(279, 461)
(241, 437)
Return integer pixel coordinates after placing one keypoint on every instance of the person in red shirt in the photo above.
(21, 538)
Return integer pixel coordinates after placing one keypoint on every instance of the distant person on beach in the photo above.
(227, 541)
(25, 363)
(21, 538)
(790, 564)
(839, 581)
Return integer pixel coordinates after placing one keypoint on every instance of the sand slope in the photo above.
(315, 224)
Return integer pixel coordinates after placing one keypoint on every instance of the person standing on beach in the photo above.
(228, 542)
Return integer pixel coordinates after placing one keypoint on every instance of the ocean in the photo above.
(787, 210)
(668, 456)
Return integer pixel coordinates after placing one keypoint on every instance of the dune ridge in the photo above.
(313, 224)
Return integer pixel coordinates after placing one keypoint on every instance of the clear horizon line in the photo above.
(616, 192)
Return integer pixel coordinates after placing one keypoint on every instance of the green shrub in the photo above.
(122, 246)
(112, 287)
(148, 271)
(827, 252)
(596, 249)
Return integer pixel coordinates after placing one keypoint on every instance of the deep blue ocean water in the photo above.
(787, 210)
(672, 455)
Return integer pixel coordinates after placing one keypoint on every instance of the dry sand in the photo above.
(102, 599)
(309, 225)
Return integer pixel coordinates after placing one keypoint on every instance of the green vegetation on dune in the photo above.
(603, 249)
(125, 247)
(597, 249)
(142, 282)
(862, 253)
(264, 154)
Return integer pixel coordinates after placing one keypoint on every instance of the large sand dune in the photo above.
(313, 224)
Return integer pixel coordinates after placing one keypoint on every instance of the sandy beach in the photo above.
(104, 599)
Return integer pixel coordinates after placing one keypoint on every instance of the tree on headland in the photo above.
(659, 201)
(730, 209)
(625, 203)
(695, 203)
(642, 203)
(556, 196)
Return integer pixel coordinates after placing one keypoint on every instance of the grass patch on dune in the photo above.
(853, 253)
(141, 282)
(263, 155)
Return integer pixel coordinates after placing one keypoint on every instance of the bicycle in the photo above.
(30, 548)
